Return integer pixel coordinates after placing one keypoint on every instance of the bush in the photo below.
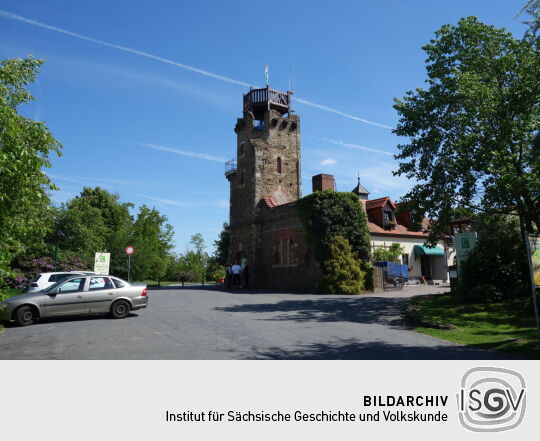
(391, 254)
(497, 267)
(367, 268)
(341, 273)
(215, 272)
(486, 292)
(28, 268)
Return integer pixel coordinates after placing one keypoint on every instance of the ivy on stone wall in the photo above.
(327, 214)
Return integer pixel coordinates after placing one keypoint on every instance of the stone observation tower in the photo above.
(268, 154)
(266, 170)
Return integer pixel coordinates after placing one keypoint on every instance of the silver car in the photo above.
(76, 295)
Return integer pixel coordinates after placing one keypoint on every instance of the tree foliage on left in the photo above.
(25, 148)
(96, 220)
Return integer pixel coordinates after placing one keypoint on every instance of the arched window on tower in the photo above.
(279, 164)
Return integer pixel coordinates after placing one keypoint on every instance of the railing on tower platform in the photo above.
(268, 98)
(230, 166)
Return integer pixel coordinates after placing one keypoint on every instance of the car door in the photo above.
(99, 295)
(67, 299)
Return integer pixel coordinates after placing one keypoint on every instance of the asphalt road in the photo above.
(197, 323)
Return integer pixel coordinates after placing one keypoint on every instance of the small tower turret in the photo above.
(360, 190)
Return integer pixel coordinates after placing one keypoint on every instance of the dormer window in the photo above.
(388, 216)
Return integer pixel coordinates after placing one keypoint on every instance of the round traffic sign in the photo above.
(130, 250)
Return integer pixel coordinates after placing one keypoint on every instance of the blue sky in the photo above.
(149, 112)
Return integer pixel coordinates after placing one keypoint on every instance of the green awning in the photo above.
(421, 250)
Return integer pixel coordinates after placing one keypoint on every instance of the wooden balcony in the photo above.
(258, 101)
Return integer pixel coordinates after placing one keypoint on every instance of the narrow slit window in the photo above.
(279, 164)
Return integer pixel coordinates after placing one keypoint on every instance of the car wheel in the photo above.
(25, 316)
(120, 309)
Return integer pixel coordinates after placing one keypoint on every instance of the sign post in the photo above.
(533, 253)
(101, 263)
(129, 251)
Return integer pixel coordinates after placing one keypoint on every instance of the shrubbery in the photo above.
(27, 268)
(388, 255)
(497, 267)
(336, 228)
(341, 271)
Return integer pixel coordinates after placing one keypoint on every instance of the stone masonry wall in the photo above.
(283, 260)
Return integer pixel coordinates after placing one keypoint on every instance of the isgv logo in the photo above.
(491, 399)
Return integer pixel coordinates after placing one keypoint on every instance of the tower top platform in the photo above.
(259, 101)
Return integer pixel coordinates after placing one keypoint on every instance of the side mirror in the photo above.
(54, 292)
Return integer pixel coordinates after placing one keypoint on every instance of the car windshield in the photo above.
(56, 285)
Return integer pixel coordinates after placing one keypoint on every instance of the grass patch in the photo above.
(502, 326)
(153, 283)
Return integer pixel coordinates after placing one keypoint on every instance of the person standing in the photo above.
(246, 276)
(236, 270)
(229, 277)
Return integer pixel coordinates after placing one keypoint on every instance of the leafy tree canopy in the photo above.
(153, 239)
(221, 252)
(472, 129)
(25, 147)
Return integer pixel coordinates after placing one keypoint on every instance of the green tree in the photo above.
(95, 221)
(221, 253)
(326, 214)
(199, 244)
(497, 267)
(152, 238)
(190, 269)
(25, 148)
(214, 271)
(532, 7)
(341, 273)
(471, 130)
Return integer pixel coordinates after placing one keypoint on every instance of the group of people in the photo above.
(238, 276)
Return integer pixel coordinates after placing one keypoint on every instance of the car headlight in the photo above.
(4, 305)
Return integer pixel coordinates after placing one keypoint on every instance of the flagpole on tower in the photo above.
(266, 75)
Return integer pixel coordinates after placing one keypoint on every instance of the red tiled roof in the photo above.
(270, 202)
(398, 230)
(378, 203)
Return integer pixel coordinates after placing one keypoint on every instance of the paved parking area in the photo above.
(209, 323)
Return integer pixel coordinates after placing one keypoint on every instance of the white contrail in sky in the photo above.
(355, 146)
(185, 152)
(122, 48)
(12, 16)
(329, 109)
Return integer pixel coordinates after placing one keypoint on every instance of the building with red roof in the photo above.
(265, 228)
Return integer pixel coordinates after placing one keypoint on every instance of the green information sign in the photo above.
(101, 263)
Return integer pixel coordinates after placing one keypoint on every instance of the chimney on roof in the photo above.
(323, 182)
